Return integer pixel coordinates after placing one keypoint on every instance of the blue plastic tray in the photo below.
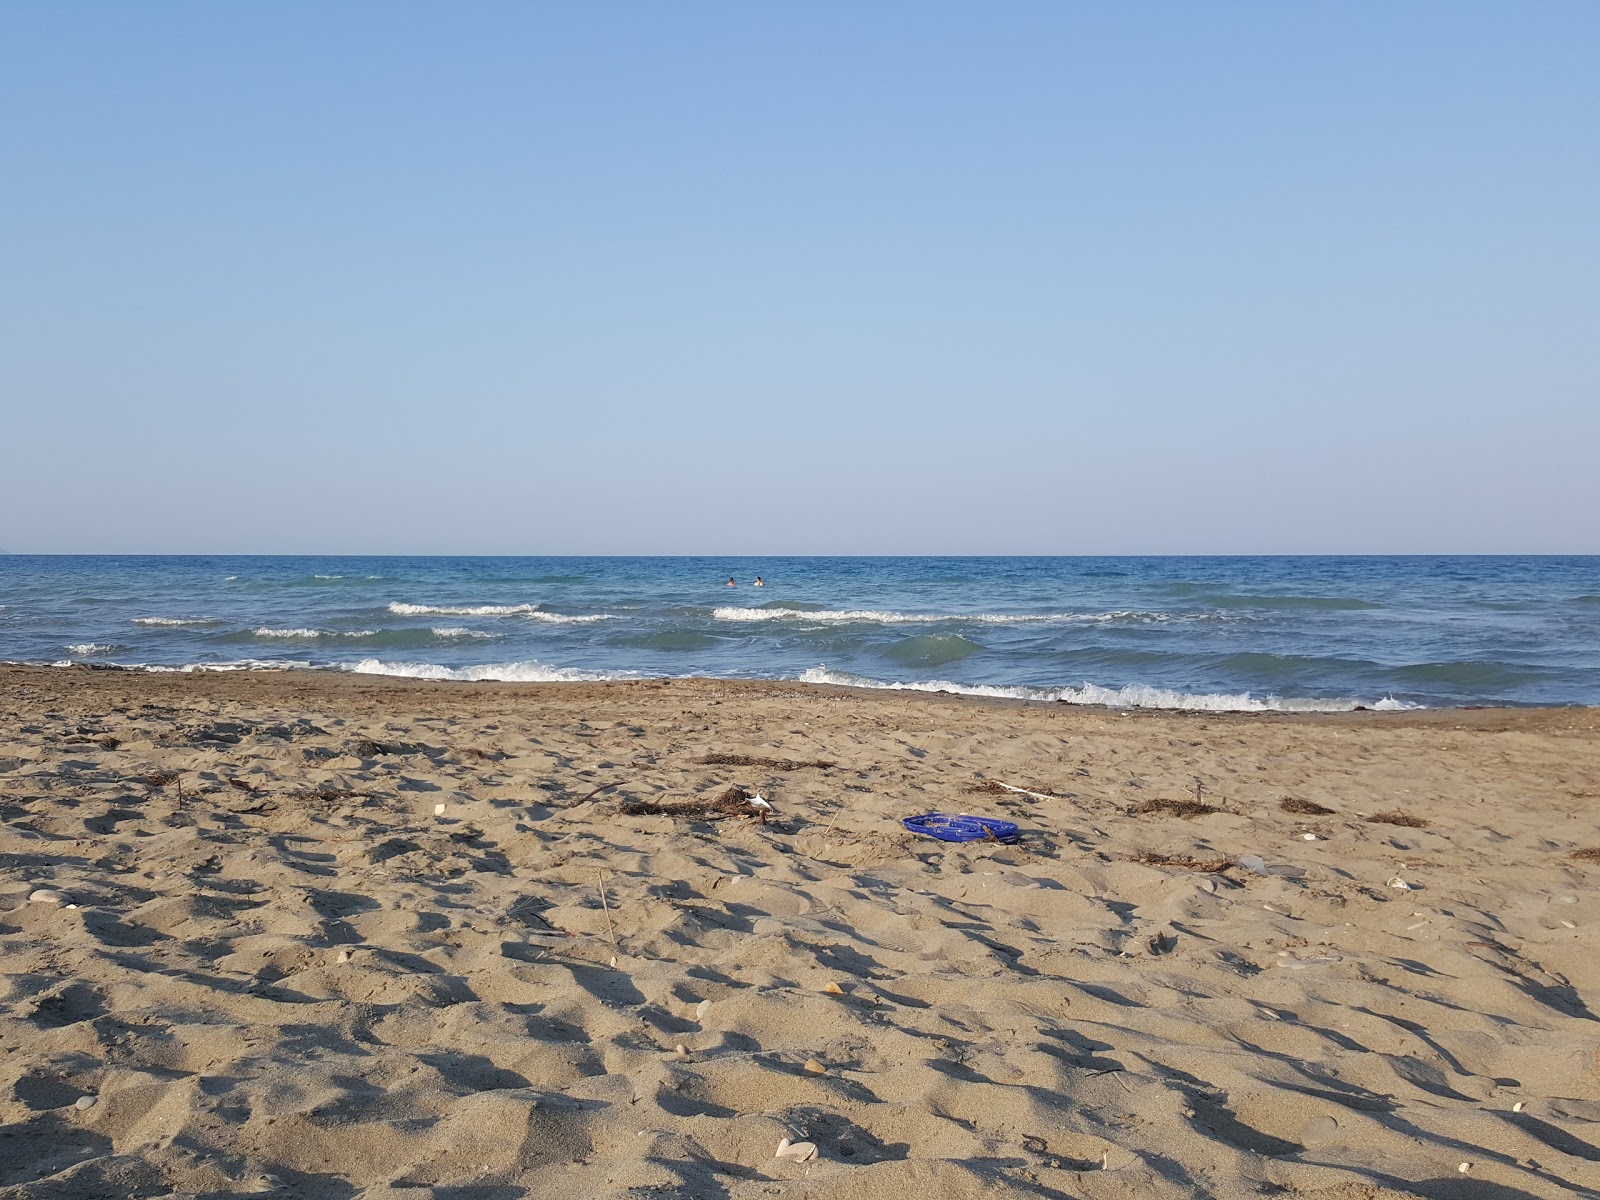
(949, 828)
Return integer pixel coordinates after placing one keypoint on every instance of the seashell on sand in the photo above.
(800, 1151)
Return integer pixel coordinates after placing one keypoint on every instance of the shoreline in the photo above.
(370, 936)
(265, 670)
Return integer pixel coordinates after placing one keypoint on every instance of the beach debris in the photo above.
(84, 1103)
(1318, 1131)
(756, 760)
(440, 809)
(1400, 885)
(46, 896)
(993, 787)
(1185, 862)
(1175, 808)
(961, 827)
(731, 802)
(701, 1009)
(1306, 808)
(1253, 863)
(1587, 854)
(1396, 817)
(832, 988)
(800, 1151)
(1116, 1158)
(156, 779)
(813, 1067)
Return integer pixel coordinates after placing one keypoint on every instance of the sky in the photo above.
(821, 278)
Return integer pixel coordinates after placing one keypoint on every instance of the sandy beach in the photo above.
(320, 935)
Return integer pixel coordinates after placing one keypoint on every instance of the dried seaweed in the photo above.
(755, 760)
(1176, 808)
(156, 779)
(368, 748)
(1306, 808)
(1398, 818)
(732, 802)
(1587, 854)
(1185, 862)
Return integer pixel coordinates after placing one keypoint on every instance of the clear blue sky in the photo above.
(808, 278)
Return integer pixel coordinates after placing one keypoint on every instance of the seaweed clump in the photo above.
(1307, 808)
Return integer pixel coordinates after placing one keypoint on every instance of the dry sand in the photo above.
(269, 966)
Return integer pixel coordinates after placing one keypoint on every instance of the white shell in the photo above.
(1399, 885)
(803, 1151)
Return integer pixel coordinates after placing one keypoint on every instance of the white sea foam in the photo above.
(175, 621)
(530, 671)
(458, 631)
(1133, 695)
(240, 664)
(84, 649)
(531, 611)
(877, 616)
(327, 577)
(268, 632)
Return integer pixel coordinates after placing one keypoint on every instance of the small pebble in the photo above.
(813, 1067)
(440, 809)
(344, 956)
(1517, 1107)
(1464, 1167)
(1309, 837)
(83, 1103)
(1567, 924)
(833, 989)
(681, 1050)
(46, 896)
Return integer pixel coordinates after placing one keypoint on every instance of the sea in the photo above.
(1235, 633)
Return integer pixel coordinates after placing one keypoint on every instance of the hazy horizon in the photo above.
(714, 279)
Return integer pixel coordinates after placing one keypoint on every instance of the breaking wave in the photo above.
(84, 649)
(530, 671)
(1133, 695)
(533, 611)
(176, 621)
(874, 616)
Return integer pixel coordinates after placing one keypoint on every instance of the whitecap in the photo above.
(84, 649)
(459, 631)
(174, 620)
(877, 616)
(531, 611)
(1133, 695)
(530, 671)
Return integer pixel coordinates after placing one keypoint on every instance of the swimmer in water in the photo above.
(731, 583)
(759, 583)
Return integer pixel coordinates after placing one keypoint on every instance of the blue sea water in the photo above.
(1219, 633)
